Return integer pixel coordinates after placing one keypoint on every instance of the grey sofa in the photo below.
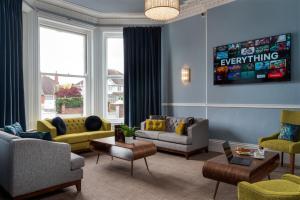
(195, 141)
(30, 167)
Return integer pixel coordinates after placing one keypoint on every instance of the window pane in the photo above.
(115, 79)
(62, 52)
(115, 98)
(62, 96)
(115, 54)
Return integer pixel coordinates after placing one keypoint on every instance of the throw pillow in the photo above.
(155, 125)
(289, 132)
(14, 129)
(60, 125)
(93, 123)
(36, 135)
(180, 129)
(189, 122)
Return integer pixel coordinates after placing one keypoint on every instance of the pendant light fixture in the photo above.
(162, 10)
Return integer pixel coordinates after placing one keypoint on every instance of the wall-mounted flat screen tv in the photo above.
(262, 60)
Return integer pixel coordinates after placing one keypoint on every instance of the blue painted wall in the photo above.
(238, 21)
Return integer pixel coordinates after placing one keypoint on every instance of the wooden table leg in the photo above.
(112, 158)
(98, 158)
(282, 155)
(292, 163)
(216, 189)
(131, 167)
(269, 177)
(146, 164)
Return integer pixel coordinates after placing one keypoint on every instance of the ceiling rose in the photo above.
(162, 10)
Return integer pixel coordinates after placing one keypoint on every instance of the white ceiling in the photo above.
(113, 6)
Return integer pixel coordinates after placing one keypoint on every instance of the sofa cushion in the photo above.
(277, 145)
(36, 135)
(174, 138)
(99, 134)
(289, 132)
(14, 129)
(93, 123)
(180, 129)
(147, 134)
(155, 125)
(60, 125)
(72, 138)
(77, 161)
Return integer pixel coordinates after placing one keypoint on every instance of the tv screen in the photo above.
(262, 60)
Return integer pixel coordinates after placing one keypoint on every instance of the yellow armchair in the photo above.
(77, 135)
(287, 188)
(284, 146)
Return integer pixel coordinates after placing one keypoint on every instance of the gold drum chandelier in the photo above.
(162, 10)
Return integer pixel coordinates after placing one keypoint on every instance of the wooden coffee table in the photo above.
(129, 152)
(220, 170)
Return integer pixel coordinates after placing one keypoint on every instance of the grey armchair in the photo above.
(30, 167)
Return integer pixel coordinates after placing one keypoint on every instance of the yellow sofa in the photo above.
(77, 135)
(286, 188)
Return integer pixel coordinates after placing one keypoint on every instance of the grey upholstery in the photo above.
(29, 165)
(77, 161)
(148, 134)
(174, 138)
(196, 138)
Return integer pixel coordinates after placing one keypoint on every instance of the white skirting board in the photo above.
(216, 146)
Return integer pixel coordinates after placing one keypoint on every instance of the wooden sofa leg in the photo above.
(78, 186)
(282, 155)
(292, 163)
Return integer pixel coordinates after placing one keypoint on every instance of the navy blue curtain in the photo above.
(11, 73)
(142, 74)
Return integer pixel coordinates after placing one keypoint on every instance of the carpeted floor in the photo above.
(172, 178)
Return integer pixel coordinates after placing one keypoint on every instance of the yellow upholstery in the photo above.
(72, 138)
(272, 142)
(287, 188)
(77, 135)
(155, 125)
(180, 128)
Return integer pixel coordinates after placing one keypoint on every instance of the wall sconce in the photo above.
(185, 74)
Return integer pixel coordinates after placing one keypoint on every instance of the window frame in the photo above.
(43, 22)
(106, 36)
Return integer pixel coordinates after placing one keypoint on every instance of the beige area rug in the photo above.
(172, 178)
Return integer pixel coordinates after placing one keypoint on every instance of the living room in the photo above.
(149, 99)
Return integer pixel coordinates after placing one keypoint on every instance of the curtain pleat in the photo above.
(12, 106)
(142, 74)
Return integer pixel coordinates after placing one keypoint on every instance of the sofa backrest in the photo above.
(290, 117)
(172, 122)
(75, 125)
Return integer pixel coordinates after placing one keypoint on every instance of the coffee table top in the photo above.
(111, 142)
(139, 149)
(220, 169)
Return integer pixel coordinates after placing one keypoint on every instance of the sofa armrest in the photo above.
(198, 133)
(295, 147)
(46, 126)
(106, 125)
(143, 125)
(248, 191)
(292, 178)
(272, 137)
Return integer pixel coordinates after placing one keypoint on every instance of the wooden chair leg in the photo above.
(78, 186)
(282, 156)
(292, 163)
